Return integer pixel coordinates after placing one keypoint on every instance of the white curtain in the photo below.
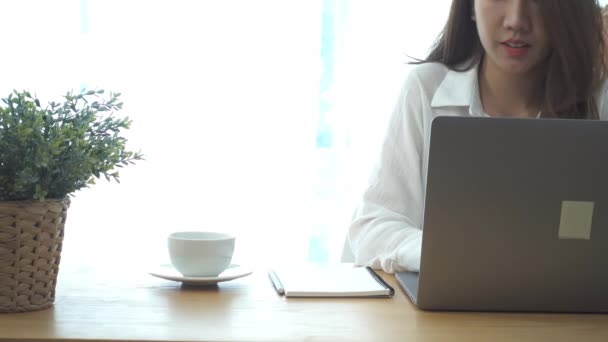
(261, 118)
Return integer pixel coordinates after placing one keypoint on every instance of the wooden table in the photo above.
(104, 305)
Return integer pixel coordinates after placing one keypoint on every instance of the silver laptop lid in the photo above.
(515, 216)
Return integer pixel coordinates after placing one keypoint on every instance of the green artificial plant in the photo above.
(51, 151)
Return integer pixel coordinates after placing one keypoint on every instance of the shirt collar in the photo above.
(459, 89)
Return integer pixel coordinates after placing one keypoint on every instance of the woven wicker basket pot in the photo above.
(31, 235)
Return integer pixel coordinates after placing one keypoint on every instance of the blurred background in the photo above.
(260, 118)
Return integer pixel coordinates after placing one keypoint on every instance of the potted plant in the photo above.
(46, 154)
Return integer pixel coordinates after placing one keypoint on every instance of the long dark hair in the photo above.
(575, 68)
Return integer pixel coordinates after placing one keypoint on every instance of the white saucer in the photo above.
(168, 272)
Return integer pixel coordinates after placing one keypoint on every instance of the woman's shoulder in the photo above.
(426, 77)
(429, 72)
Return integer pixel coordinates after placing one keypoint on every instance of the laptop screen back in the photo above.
(515, 216)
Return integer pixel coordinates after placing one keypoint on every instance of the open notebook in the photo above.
(340, 280)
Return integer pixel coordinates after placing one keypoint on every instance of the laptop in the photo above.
(516, 217)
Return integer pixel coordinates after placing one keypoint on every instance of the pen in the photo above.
(276, 283)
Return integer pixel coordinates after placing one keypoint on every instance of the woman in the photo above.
(497, 58)
(605, 31)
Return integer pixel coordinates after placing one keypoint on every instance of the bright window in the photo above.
(261, 118)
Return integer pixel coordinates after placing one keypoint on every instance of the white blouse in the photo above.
(386, 231)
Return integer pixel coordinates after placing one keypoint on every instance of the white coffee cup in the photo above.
(200, 254)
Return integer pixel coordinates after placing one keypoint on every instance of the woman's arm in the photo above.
(386, 229)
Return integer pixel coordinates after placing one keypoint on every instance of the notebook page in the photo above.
(329, 281)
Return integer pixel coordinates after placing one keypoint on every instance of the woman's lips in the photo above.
(516, 50)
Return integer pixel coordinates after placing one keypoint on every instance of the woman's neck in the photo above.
(507, 95)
